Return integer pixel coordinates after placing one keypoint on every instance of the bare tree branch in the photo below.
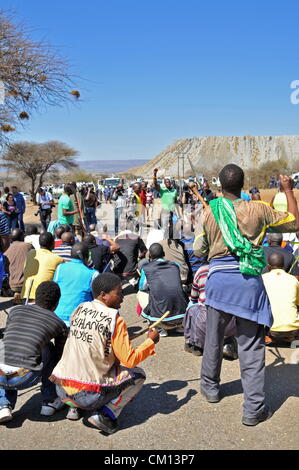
(34, 161)
(34, 75)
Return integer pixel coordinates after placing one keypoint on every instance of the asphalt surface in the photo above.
(169, 413)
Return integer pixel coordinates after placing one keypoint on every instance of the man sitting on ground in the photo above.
(27, 353)
(15, 259)
(40, 266)
(32, 236)
(126, 259)
(75, 281)
(58, 234)
(196, 319)
(89, 374)
(65, 249)
(283, 292)
(275, 241)
(100, 254)
(161, 278)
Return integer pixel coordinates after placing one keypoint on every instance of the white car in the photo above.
(25, 196)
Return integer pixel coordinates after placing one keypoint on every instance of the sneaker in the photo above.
(259, 418)
(163, 333)
(189, 347)
(215, 398)
(5, 414)
(73, 414)
(48, 409)
(103, 422)
(197, 351)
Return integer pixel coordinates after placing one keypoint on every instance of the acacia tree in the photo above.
(35, 161)
(32, 75)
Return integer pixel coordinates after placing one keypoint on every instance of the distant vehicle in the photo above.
(25, 196)
(113, 181)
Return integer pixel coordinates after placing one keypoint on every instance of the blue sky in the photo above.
(155, 71)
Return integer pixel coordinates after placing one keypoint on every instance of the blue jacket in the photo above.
(20, 202)
(75, 281)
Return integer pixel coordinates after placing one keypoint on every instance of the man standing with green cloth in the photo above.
(66, 209)
(233, 228)
(168, 200)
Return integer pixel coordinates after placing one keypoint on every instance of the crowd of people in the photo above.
(213, 268)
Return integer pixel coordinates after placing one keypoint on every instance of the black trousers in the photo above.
(45, 217)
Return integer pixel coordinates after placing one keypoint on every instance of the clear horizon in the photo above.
(154, 72)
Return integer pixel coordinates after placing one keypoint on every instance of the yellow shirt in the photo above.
(280, 202)
(283, 292)
(40, 266)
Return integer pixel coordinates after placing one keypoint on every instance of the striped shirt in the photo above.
(64, 251)
(29, 329)
(4, 227)
(198, 291)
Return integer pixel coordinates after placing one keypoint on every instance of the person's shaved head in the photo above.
(80, 251)
(68, 238)
(59, 231)
(156, 251)
(89, 239)
(274, 239)
(17, 235)
(231, 178)
(276, 261)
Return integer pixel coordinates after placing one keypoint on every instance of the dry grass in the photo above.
(30, 218)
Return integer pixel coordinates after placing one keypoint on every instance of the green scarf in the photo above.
(252, 259)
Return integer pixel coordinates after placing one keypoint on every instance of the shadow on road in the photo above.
(155, 399)
(30, 411)
(282, 381)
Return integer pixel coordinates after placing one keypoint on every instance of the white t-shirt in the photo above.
(34, 240)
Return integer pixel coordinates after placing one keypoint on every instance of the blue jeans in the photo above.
(12, 222)
(9, 386)
(20, 221)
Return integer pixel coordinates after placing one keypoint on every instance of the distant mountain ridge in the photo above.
(207, 152)
(109, 166)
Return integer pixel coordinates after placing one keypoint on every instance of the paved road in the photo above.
(169, 413)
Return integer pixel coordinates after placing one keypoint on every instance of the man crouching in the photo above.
(89, 374)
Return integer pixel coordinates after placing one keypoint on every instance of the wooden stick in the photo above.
(29, 291)
(194, 189)
(145, 330)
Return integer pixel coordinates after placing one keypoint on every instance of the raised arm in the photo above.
(156, 184)
(287, 184)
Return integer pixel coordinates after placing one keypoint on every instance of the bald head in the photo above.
(274, 239)
(68, 238)
(17, 235)
(156, 251)
(89, 239)
(276, 261)
(59, 231)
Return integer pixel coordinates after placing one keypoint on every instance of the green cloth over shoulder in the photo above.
(252, 258)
